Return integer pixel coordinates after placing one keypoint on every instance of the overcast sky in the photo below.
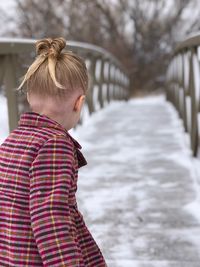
(6, 5)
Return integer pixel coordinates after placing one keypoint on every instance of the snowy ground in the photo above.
(3, 118)
(139, 193)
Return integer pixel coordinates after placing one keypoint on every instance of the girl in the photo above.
(40, 224)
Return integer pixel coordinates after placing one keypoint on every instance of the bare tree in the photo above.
(141, 34)
(154, 25)
(36, 19)
(154, 36)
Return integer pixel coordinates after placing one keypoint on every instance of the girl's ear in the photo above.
(27, 96)
(79, 103)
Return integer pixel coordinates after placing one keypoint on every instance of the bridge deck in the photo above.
(138, 192)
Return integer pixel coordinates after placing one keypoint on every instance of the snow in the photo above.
(194, 207)
(102, 191)
(3, 119)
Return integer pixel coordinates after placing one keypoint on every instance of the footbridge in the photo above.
(139, 193)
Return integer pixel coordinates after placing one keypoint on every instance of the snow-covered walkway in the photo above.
(139, 192)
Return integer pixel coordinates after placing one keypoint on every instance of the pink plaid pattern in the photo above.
(40, 224)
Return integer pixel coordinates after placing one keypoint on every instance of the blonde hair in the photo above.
(54, 72)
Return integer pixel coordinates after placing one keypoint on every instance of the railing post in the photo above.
(10, 81)
(101, 83)
(184, 93)
(109, 81)
(2, 69)
(194, 133)
(92, 81)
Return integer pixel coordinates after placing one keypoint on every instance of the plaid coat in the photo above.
(40, 224)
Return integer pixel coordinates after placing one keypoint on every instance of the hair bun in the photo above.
(49, 46)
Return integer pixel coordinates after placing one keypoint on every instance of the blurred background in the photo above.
(140, 192)
(141, 34)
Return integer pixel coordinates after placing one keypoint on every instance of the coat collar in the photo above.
(34, 119)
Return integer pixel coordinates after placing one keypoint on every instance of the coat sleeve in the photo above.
(50, 182)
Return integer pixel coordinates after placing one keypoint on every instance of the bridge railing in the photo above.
(183, 87)
(108, 78)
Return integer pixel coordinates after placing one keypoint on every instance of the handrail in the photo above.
(183, 87)
(108, 78)
(192, 40)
